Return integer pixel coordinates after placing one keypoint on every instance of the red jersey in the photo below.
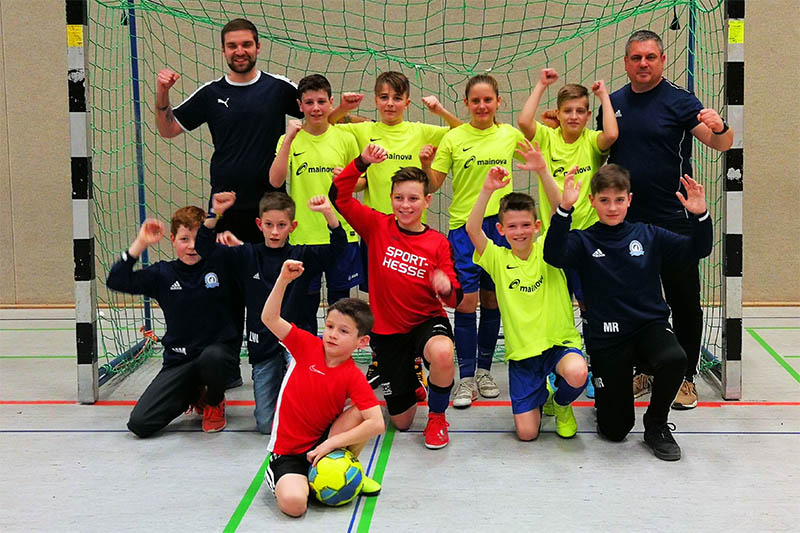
(400, 262)
(313, 395)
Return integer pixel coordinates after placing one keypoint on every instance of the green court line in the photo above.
(781, 361)
(369, 507)
(248, 498)
(791, 356)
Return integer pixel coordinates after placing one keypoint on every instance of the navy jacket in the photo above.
(195, 300)
(256, 267)
(619, 268)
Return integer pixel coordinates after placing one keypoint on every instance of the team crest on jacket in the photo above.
(635, 248)
(211, 280)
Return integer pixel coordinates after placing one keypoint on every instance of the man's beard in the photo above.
(239, 69)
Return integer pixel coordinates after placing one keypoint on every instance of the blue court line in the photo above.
(367, 472)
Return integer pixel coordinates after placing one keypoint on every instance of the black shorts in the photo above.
(280, 465)
(396, 354)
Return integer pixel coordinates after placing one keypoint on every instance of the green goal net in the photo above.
(437, 44)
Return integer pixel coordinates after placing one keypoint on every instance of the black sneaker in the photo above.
(373, 374)
(663, 445)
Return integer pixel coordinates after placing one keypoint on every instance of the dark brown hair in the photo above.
(277, 201)
(516, 201)
(395, 80)
(239, 24)
(611, 176)
(358, 310)
(412, 174)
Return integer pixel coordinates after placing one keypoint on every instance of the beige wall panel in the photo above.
(38, 144)
(772, 152)
(8, 289)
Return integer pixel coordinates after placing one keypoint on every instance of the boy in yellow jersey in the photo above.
(535, 308)
(571, 144)
(403, 142)
(308, 153)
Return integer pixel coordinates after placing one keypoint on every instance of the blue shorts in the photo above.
(526, 378)
(344, 273)
(471, 276)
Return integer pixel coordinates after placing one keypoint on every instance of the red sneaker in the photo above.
(421, 394)
(436, 431)
(214, 417)
(198, 405)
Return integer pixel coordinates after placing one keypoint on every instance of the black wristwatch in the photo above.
(725, 128)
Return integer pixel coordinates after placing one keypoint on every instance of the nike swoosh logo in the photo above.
(556, 160)
(375, 139)
(509, 267)
(297, 153)
(465, 149)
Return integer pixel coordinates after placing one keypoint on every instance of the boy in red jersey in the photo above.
(311, 419)
(411, 277)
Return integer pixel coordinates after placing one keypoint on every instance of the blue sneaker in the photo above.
(590, 387)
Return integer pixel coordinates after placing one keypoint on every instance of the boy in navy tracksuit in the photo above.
(619, 264)
(201, 341)
(256, 267)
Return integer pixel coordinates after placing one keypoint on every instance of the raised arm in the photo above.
(341, 192)
(166, 124)
(122, 277)
(496, 179)
(280, 165)
(527, 117)
(348, 102)
(435, 178)
(695, 203)
(271, 314)
(610, 131)
(534, 160)
(435, 107)
(712, 131)
(561, 246)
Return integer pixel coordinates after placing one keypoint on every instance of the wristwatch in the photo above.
(725, 128)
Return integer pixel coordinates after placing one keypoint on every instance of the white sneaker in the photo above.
(486, 384)
(466, 393)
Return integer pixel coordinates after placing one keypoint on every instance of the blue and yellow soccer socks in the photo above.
(565, 394)
(566, 425)
(547, 408)
(438, 397)
(466, 341)
(488, 330)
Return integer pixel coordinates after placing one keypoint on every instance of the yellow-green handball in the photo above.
(337, 478)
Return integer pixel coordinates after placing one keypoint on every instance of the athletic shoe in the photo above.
(486, 384)
(661, 442)
(214, 417)
(686, 398)
(436, 431)
(566, 425)
(466, 393)
(420, 372)
(547, 408)
(370, 487)
(198, 405)
(642, 383)
(373, 374)
(590, 387)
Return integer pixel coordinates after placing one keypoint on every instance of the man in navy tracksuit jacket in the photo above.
(256, 267)
(201, 342)
(619, 264)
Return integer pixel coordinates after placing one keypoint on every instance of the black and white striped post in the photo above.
(82, 223)
(733, 187)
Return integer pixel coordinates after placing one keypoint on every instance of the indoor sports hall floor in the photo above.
(70, 467)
